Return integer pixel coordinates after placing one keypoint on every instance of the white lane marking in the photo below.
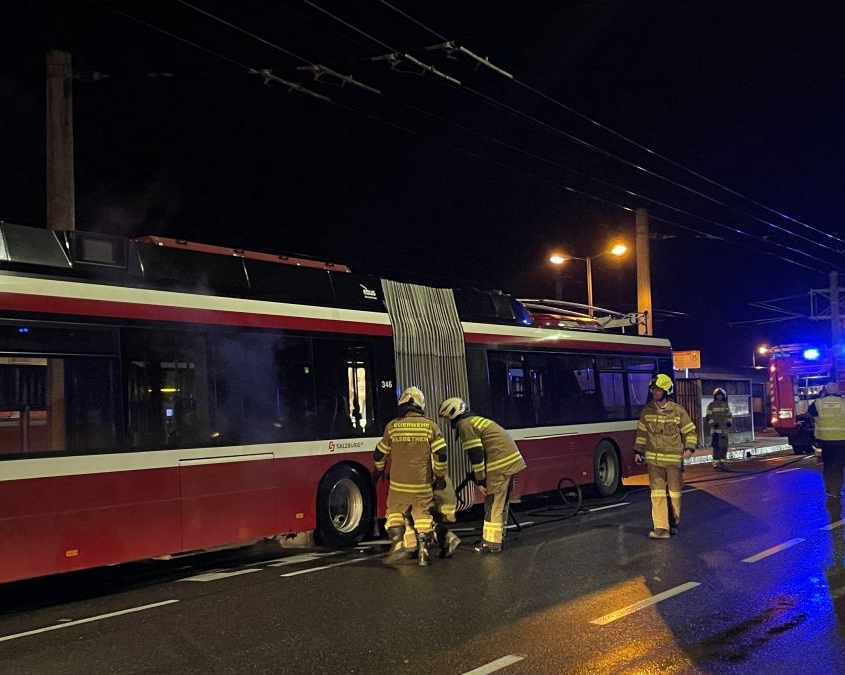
(736, 480)
(493, 666)
(301, 558)
(642, 604)
(88, 620)
(794, 468)
(214, 576)
(609, 506)
(683, 492)
(838, 523)
(325, 567)
(772, 550)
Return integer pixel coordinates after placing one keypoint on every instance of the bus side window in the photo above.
(346, 389)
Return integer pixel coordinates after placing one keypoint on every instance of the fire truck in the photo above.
(797, 373)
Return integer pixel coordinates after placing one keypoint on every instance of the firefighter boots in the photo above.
(446, 540)
(486, 547)
(397, 545)
(424, 548)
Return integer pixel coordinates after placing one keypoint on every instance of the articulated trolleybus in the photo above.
(159, 397)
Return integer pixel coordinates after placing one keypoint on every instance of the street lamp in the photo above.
(762, 350)
(558, 259)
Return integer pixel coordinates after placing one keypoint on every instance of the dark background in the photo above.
(462, 185)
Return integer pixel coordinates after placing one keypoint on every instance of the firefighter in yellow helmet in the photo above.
(495, 460)
(720, 419)
(417, 453)
(666, 436)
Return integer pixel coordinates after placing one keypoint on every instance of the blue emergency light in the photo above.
(811, 354)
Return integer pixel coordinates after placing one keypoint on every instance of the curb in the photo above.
(741, 452)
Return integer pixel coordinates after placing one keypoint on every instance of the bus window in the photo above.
(345, 385)
(509, 401)
(640, 372)
(167, 389)
(57, 405)
(613, 394)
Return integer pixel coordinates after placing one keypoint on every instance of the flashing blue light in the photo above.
(812, 354)
(23, 329)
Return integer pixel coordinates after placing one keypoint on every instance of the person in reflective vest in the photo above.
(445, 506)
(666, 436)
(495, 460)
(828, 413)
(720, 420)
(417, 452)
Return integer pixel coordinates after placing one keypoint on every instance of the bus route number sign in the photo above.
(687, 359)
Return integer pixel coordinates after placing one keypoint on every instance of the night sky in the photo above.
(613, 105)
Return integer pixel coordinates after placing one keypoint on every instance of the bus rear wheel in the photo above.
(606, 469)
(345, 507)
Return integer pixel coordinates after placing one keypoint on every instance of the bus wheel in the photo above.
(606, 469)
(344, 507)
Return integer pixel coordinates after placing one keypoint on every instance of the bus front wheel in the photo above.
(345, 506)
(606, 469)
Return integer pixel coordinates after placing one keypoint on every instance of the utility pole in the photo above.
(60, 188)
(835, 325)
(643, 272)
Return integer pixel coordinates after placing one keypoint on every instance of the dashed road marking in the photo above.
(493, 666)
(215, 576)
(794, 468)
(609, 506)
(90, 619)
(326, 567)
(301, 558)
(838, 523)
(771, 551)
(642, 604)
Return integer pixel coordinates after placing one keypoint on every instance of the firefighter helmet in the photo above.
(413, 396)
(452, 408)
(663, 382)
(719, 390)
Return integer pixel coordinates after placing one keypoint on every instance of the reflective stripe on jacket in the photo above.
(500, 451)
(830, 422)
(664, 433)
(718, 414)
(412, 442)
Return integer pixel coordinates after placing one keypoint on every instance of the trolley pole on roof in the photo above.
(60, 197)
(643, 272)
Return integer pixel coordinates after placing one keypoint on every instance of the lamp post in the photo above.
(558, 259)
(762, 350)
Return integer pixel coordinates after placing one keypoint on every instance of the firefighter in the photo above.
(828, 414)
(666, 436)
(720, 420)
(495, 460)
(417, 452)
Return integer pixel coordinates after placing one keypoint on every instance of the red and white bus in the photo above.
(797, 373)
(159, 397)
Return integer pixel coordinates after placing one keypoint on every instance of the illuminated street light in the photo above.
(762, 350)
(558, 259)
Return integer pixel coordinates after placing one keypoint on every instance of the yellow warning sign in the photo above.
(687, 359)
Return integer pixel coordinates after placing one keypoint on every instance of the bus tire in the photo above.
(606, 469)
(345, 507)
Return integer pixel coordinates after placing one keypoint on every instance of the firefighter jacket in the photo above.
(829, 418)
(663, 433)
(417, 452)
(489, 446)
(719, 416)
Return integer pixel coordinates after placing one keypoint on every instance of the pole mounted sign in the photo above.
(687, 359)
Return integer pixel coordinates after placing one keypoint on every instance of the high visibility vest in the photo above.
(830, 423)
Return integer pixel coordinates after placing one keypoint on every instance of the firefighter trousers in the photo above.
(666, 484)
(496, 507)
(720, 447)
(416, 505)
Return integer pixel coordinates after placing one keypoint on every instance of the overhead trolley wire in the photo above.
(645, 149)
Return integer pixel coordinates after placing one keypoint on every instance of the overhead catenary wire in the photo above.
(503, 106)
(521, 171)
(631, 141)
